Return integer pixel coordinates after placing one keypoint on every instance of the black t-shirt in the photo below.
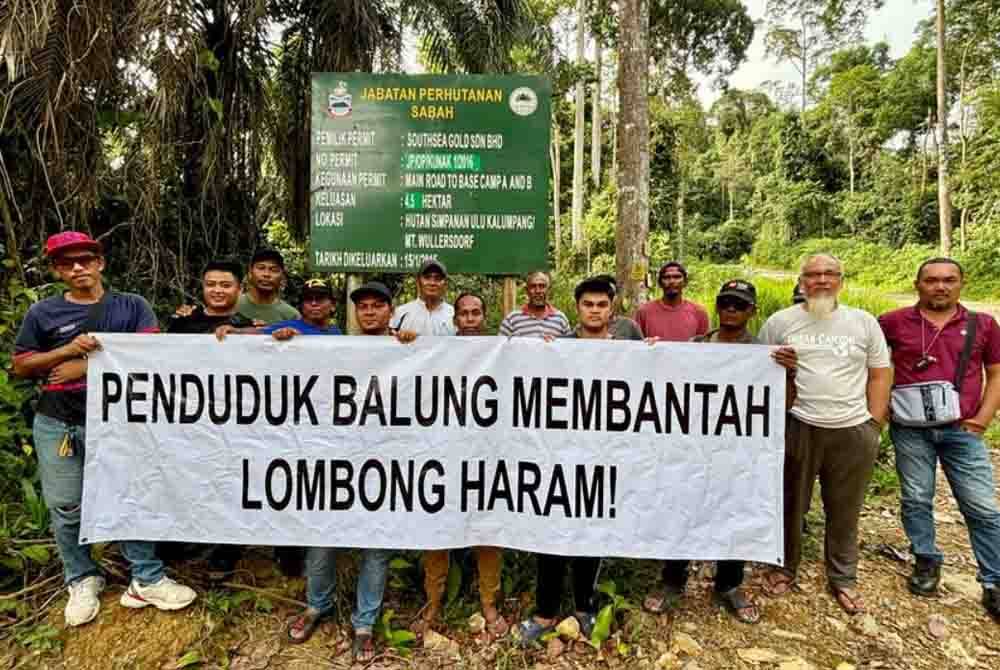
(199, 323)
(53, 322)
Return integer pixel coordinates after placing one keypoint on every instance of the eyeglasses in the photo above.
(732, 303)
(824, 274)
(69, 262)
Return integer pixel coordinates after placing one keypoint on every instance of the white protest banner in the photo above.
(572, 447)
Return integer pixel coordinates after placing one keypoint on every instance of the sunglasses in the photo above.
(732, 303)
(69, 262)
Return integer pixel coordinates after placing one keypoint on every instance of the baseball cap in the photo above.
(317, 287)
(739, 288)
(268, 255)
(375, 288)
(432, 264)
(598, 284)
(70, 239)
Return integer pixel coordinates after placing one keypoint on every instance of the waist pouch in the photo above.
(926, 404)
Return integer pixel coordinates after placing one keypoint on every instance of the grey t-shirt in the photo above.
(834, 357)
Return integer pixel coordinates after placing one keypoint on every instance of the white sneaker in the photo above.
(84, 603)
(165, 594)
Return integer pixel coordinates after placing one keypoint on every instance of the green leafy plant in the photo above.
(43, 638)
(398, 639)
(606, 616)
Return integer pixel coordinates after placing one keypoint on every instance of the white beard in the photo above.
(821, 306)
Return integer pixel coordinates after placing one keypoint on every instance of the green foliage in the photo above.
(41, 639)
(606, 615)
(400, 640)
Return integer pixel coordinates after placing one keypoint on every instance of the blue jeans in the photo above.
(321, 582)
(966, 463)
(62, 488)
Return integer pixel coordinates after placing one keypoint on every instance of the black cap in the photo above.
(598, 284)
(268, 255)
(317, 287)
(739, 288)
(375, 288)
(430, 264)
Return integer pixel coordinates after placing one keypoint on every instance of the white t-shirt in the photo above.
(415, 316)
(834, 356)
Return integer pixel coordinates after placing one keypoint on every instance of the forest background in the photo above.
(177, 131)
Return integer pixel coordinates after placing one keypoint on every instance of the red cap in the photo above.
(70, 239)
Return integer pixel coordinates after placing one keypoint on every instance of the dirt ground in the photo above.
(232, 629)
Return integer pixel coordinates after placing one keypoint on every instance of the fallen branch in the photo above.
(264, 592)
(33, 587)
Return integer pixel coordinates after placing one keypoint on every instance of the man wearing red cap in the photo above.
(53, 344)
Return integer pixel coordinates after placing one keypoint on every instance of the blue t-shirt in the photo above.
(301, 326)
(53, 322)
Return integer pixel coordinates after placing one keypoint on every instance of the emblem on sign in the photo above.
(523, 101)
(339, 102)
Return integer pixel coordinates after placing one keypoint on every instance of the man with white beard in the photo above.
(842, 400)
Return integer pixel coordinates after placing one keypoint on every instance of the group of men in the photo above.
(840, 363)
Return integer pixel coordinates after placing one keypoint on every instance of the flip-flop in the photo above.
(736, 602)
(852, 605)
(494, 630)
(661, 599)
(304, 624)
(363, 645)
(531, 631)
(778, 583)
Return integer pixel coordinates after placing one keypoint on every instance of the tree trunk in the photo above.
(805, 61)
(944, 199)
(923, 159)
(595, 120)
(631, 262)
(850, 160)
(680, 221)
(556, 170)
(581, 102)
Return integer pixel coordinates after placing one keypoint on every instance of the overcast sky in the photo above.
(895, 23)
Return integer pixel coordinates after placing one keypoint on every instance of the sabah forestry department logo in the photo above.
(523, 101)
(338, 103)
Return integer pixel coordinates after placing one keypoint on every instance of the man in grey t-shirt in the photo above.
(842, 399)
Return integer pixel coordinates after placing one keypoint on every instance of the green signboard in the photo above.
(405, 168)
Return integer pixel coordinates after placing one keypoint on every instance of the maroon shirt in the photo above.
(673, 324)
(902, 328)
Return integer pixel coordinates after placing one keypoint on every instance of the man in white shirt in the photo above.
(842, 388)
(429, 314)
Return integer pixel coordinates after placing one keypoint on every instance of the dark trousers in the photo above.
(843, 459)
(728, 574)
(549, 586)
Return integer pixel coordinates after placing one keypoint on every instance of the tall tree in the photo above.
(595, 117)
(632, 231)
(803, 32)
(944, 197)
(580, 100)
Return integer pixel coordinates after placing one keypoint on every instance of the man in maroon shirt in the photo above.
(927, 342)
(672, 318)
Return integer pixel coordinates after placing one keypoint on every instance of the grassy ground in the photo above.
(243, 630)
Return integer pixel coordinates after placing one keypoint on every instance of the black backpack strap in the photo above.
(95, 315)
(970, 338)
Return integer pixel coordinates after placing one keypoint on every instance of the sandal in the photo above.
(363, 647)
(494, 630)
(532, 631)
(778, 583)
(849, 600)
(302, 626)
(661, 599)
(736, 602)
